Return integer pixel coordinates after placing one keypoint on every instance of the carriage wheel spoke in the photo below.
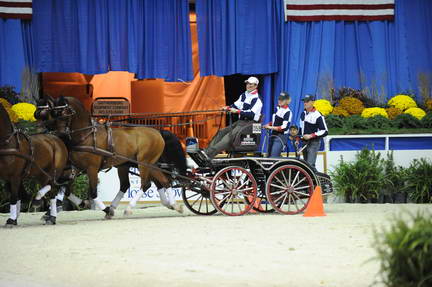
(195, 201)
(283, 184)
(284, 177)
(196, 194)
(277, 186)
(295, 194)
(295, 178)
(299, 182)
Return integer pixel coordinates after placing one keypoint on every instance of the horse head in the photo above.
(69, 114)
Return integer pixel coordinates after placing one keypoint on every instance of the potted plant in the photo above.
(419, 181)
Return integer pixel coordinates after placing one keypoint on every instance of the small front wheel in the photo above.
(233, 191)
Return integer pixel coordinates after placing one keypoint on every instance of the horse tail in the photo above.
(173, 152)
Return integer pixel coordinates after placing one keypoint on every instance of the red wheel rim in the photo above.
(230, 188)
(289, 189)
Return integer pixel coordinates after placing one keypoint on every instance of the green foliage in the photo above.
(28, 127)
(379, 122)
(80, 186)
(8, 93)
(334, 121)
(405, 251)
(361, 180)
(419, 181)
(406, 121)
(355, 122)
(426, 121)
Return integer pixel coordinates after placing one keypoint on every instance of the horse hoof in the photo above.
(45, 217)
(85, 204)
(178, 208)
(127, 212)
(11, 223)
(109, 212)
(50, 220)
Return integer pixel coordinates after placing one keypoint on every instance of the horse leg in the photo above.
(41, 193)
(123, 174)
(166, 193)
(13, 186)
(92, 174)
(50, 217)
(133, 202)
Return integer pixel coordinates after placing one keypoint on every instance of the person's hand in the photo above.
(226, 108)
(233, 110)
(307, 137)
(266, 127)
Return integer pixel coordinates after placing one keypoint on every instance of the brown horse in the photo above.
(41, 156)
(94, 147)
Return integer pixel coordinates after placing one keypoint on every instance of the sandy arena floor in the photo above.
(158, 247)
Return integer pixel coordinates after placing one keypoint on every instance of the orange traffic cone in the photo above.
(256, 205)
(315, 206)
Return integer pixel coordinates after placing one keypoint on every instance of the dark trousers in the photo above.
(224, 138)
(311, 151)
(276, 145)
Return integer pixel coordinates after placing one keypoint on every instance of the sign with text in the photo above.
(105, 107)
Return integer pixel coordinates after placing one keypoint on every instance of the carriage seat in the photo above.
(248, 140)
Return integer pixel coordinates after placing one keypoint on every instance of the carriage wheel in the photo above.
(197, 200)
(289, 189)
(233, 191)
(264, 205)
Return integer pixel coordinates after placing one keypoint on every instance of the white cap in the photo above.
(252, 80)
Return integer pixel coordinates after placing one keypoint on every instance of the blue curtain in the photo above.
(236, 37)
(150, 38)
(385, 57)
(11, 53)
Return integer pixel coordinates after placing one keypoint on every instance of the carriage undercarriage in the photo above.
(236, 186)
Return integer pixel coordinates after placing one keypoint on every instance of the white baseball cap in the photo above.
(252, 80)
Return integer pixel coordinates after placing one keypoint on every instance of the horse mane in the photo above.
(5, 122)
(77, 106)
(173, 152)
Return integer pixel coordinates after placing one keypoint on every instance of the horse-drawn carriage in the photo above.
(233, 185)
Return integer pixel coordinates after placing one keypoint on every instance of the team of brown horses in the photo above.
(79, 140)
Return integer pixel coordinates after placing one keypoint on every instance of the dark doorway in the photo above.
(235, 86)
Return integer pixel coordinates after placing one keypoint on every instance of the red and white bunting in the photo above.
(343, 10)
(21, 9)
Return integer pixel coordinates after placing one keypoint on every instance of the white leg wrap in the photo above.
(136, 197)
(41, 193)
(171, 196)
(75, 199)
(18, 207)
(60, 195)
(163, 197)
(117, 199)
(99, 203)
(53, 207)
(13, 211)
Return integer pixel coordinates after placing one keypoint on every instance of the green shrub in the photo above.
(80, 186)
(362, 179)
(355, 122)
(379, 122)
(334, 121)
(419, 181)
(406, 121)
(426, 121)
(405, 251)
(395, 177)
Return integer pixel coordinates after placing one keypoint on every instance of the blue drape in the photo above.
(236, 37)
(150, 38)
(11, 53)
(383, 57)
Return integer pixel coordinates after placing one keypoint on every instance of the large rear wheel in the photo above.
(233, 191)
(289, 189)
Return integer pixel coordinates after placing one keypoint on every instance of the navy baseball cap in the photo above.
(308, 98)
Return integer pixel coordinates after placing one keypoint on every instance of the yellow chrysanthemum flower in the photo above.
(371, 112)
(323, 106)
(402, 102)
(352, 105)
(25, 111)
(416, 112)
(339, 111)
